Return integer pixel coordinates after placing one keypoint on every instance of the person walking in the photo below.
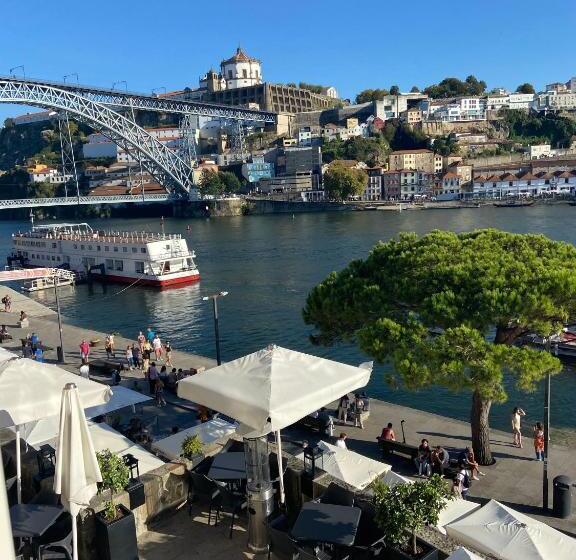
(159, 393)
(462, 482)
(153, 376)
(146, 353)
(517, 414)
(150, 334)
(358, 410)
(84, 351)
(343, 407)
(7, 301)
(130, 357)
(108, 347)
(157, 345)
(168, 353)
(141, 340)
(137, 356)
(539, 441)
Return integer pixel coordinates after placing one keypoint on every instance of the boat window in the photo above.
(82, 247)
(89, 247)
(119, 265)
(109, 264)
(134, 250)
(124, 249)
(53, 245)
(139, 267)
(106, 248)
(98, 248)
(142, 249)
(115, 249)
(58, 258)
(75, 246)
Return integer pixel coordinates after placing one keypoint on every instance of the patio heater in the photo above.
(260, 492)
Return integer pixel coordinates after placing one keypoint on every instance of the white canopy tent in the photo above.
(454, 511)
(273, 388)
(6, 540)
(46, 429)
(392, 479)
(350, 467)
(462, 553)
(171, 446)
(31, 390)
(509, 535)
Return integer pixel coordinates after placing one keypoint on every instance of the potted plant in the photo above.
(192, 448)
(405, 508)
(115, 526)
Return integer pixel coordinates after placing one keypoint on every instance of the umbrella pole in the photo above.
(279, 457)
(18, 467)
(74, 537)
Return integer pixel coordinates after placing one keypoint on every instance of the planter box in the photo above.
(135, 490)
(117, 540)
(428, 553)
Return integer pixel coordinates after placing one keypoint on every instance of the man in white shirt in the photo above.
(341, 441)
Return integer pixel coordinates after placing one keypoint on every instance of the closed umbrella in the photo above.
(77, 470)
(6, 541)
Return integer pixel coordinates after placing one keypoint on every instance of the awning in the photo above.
(273, 388)
(454, 511)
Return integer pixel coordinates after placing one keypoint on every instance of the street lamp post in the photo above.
(214, 298)
(62, 358)
(545, 482)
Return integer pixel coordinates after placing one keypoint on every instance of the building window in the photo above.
(119, 265)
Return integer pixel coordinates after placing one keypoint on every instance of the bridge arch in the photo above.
(167, 167)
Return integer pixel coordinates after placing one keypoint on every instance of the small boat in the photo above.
(370, 207)
(514, 203)
(47, 282)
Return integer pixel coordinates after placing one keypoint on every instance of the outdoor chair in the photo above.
(307, 554)
(56, 542)
(338, 496)
(369, 541)
(281, 543)
(203, 467)
(200, 486)
(231, 502)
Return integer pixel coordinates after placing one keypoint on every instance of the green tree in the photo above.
(211, 184)
(230, 181)
(373, 151)
(453, 87)
(480, 291)
(406, 508)
(445, 145)
(371, 95)
(525, 88)
(394, 90)
(531, 128)
(341, 183)
(406, 137)
(414, 89)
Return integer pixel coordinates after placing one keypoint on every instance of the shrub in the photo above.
(115, 477)
(191, 447)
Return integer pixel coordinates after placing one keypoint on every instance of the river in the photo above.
(269, 263)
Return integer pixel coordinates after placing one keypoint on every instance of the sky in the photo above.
(352, 46)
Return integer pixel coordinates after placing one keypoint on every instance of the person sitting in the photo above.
(387, 433)
(423, 460)
(34, 340)
(23, 322)
(440, 460)
(39, 354)
(4, 334)
(466, 457)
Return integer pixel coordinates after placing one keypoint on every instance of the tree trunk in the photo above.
(479, 420)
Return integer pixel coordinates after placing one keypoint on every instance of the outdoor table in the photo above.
(228, 466)
(327, 523)
(32, 520)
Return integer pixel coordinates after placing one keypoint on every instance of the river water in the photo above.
(269, 263)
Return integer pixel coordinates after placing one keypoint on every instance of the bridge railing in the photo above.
(84, 200)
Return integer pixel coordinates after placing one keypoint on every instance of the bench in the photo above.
(389, 447)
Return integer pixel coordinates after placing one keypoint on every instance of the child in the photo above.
(539, 441)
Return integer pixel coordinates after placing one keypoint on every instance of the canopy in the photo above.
(171, 446)
(6, 540)
(349, 466)
(455, 510)
(46, 429)
(392, 479)
(507, 534)
(106, 437)
(274, 387)
(31, 390)
(462, 553)
(77, 470)
(6, 354)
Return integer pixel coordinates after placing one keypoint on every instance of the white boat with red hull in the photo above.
(146, 258)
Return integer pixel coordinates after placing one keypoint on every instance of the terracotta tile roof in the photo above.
(480, 179)
(508, 177)
(239, 56)
(563, 174)
(450, 175)
(418, 151)
(527, 176)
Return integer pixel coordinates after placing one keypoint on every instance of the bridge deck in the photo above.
(84, 200)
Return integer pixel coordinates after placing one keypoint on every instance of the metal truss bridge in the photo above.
(84, 200)
(112, 113)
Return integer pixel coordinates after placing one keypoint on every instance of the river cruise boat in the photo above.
(143, 258)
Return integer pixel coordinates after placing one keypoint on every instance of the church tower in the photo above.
(241, 70)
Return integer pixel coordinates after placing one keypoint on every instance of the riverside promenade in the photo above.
(515, 479)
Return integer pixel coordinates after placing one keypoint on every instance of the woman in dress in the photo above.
(539, 441)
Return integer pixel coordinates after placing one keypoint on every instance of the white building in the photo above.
(45, 174)
(521, 100)
(538, 151)
(524, 185)
(552, 101)
(241, 70)
(456, 109)
(352, 129)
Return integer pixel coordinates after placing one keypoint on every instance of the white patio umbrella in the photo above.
(31, 390)
(77, 469)
(509, 535)
(273, 388)
(462, 553)
(6, 541)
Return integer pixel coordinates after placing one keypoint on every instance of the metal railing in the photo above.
(83, 200)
